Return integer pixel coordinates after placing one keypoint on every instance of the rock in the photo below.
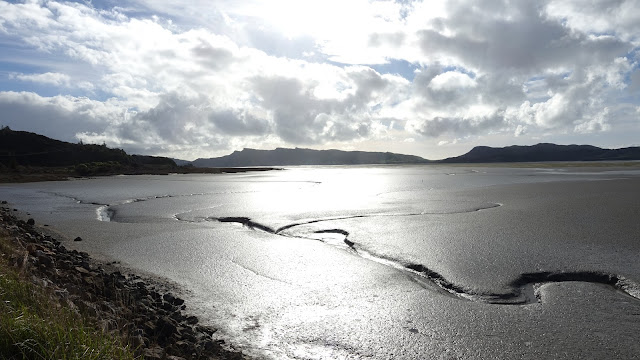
(164, 329)
(149, 328)
(212, 345)
(177, 316)
(89, 280)
(4, 202)
(166, 306)
(206, 330)
(65, 265)
(31, 222)
(44, 259)
(82, 270)
(168, 297)
(139, 341)
(172, 357)
(62, 293)
(78, 239)
(155, 352)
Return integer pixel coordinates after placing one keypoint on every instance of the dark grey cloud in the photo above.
(239, 123)
(212, 57)
(439, 126)
(295, 110)
(176, 119)
(300, 117)
(616, 17)
(517, 37)
(59, 117)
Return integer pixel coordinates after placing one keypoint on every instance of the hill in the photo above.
(25, 157)
(22, 148)
(544, 152)
(297, 156)
(23, 153)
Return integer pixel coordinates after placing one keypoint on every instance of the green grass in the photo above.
(35, 325)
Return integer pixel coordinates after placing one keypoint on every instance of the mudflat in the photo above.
(378, 262)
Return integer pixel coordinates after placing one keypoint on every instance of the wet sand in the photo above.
(447, 262)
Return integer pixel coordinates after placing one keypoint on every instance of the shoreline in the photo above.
(40, 174)
(141, 310)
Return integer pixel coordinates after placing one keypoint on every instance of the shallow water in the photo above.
(402, 262)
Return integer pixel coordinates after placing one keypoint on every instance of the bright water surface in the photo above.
(381, 262)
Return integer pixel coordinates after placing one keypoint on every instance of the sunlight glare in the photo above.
(325, 20)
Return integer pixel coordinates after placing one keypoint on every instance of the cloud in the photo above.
(520, 38)
(178, 124)
(451, 80)
(300, 116)
(161, 77)
(46, 78)
(579, 100)
(619, 18)
(438, 126)
(57, 116)
(240, 123)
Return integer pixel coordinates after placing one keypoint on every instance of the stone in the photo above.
(211, 345)
(155, 352)
(31, 222)
(164, 329)
(149, 328)
(139, 341)
(82, 270)
(175, 301)
(173, 357)
(168, 298)
(78, 239)
(166, 306)
(44, 259)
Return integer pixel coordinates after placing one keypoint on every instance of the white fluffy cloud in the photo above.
(199, 80)
(46, 78)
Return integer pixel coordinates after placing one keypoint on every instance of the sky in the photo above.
(203, 78)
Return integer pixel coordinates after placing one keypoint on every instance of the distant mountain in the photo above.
(544, 152)
(180, 162)
(22, 148)
(297, 156)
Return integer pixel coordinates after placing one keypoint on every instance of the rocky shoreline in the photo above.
(153, 321)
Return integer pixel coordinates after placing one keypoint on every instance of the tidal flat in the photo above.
(377, 262)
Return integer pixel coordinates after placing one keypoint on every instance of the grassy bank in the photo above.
(57, 303)
(35, 324)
